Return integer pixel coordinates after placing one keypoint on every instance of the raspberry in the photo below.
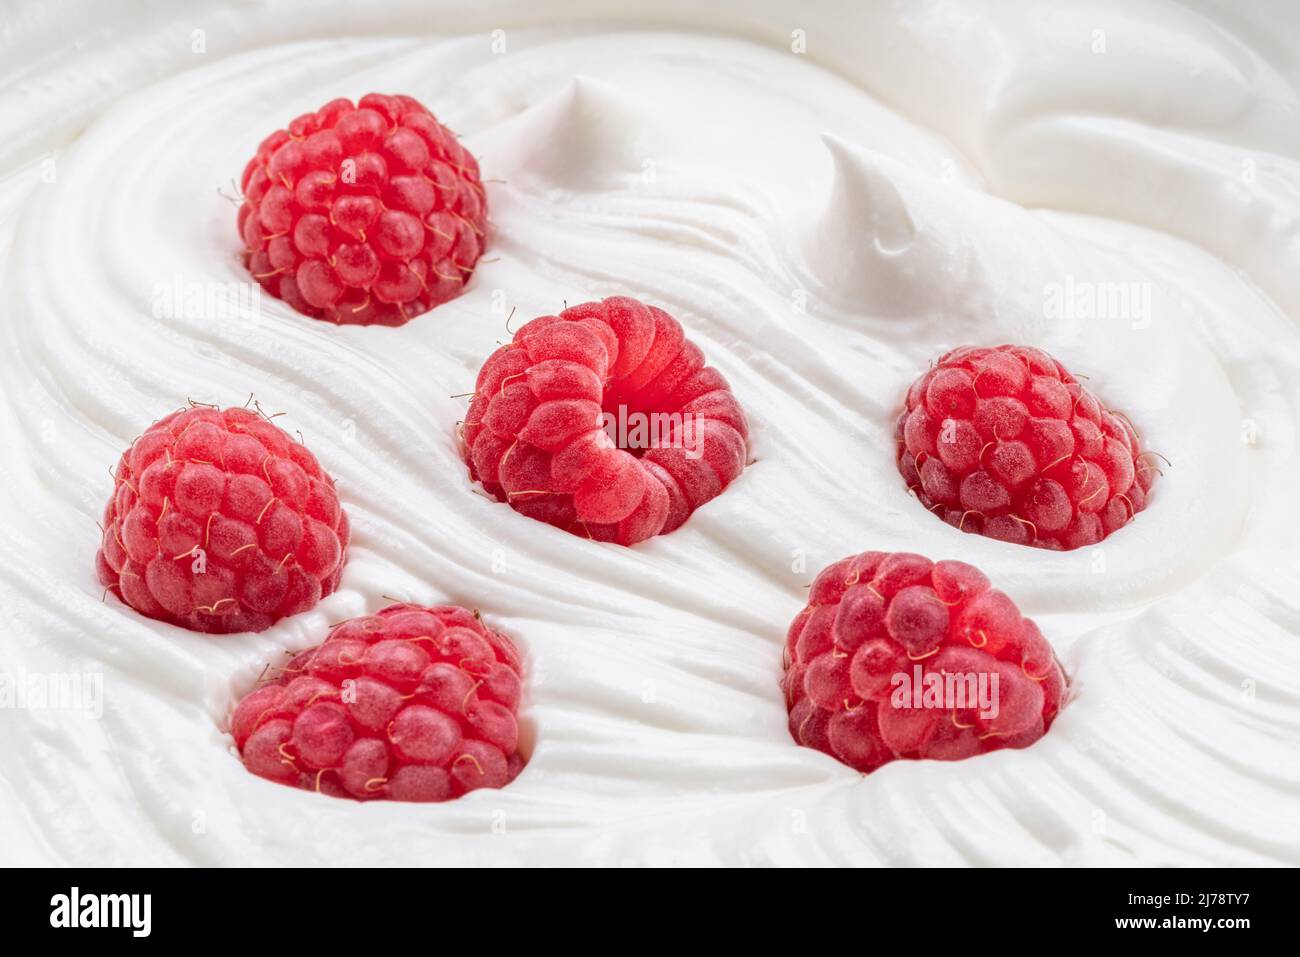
(1004, 442)
(220, 522)
(368, 214)
(537, 434)
(896, 656)
(410, 704)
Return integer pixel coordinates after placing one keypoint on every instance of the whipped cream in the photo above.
(827, 199)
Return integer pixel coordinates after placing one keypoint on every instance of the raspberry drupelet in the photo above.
(896, 656)
(366, 214)
(410, 704)
(537, 434)
(1004, 442)
(220, 522)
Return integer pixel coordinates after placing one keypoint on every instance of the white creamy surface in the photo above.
(823, 224)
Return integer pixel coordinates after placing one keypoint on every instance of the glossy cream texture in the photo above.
(824, 223)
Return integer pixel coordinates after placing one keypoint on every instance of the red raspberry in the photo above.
(877, 622)
(411, 704)
(367, 214)
(535, 437)
(221, 522)
(1004, 442)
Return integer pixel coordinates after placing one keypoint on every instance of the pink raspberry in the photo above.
(367, 214)
(410, 704)
(1004, 442)
(536, 436)
(896, 656)
(219, 521)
